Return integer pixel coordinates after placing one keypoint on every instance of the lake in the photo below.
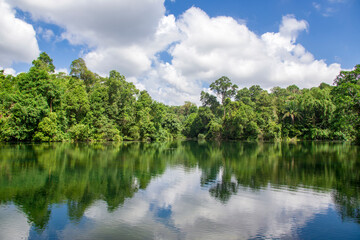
(180, 190)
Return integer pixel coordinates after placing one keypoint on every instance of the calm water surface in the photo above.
(181, 190)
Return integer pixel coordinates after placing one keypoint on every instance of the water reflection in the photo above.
(177, 190)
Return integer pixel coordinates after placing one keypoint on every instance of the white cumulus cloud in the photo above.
(46, 34)
(99, 22)
(17, 38)
(131, 36)
(123, 35)
(209, 48)
(9, 71)
(134, 59)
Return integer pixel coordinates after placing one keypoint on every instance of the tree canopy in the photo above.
(41, 105)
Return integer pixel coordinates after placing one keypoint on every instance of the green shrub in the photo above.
(79, 132)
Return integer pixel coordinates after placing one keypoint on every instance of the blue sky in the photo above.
(332, 33)
(175, 49)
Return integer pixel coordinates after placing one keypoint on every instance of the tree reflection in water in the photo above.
(36, 176)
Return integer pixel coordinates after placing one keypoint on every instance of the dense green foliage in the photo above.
(43, 106)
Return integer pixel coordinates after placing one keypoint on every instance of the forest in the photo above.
(43, 106)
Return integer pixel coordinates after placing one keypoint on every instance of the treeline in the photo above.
(41, 105)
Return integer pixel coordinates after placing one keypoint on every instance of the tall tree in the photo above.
(224, 88)
(292, 110)
(44, 62)
(209, 100)
(121, 101)
(347, 98)
(78, 69)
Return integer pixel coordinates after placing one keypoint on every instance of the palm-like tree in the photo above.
(292, 111)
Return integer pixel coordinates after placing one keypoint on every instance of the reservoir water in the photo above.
(180, 190)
